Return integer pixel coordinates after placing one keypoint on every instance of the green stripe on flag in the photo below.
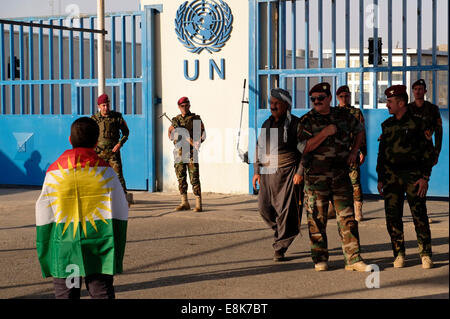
(100, 251)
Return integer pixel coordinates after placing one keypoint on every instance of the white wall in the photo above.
(217, 101)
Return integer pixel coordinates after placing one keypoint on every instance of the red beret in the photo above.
(103, 99)
(395, 90)
(343, 88)
(323, 87)
(183, 100)
(420, 82)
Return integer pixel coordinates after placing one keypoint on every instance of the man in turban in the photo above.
(277, 170)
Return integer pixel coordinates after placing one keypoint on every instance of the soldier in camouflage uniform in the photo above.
(325, 140)
(187, 132)
(429, 113)
(405, 160)
(110, 141)
(344, 97)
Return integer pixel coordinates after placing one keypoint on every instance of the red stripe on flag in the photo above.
(81, 154)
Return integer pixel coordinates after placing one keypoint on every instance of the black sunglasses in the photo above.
(319, 98)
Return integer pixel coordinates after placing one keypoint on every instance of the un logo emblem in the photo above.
(203, 25)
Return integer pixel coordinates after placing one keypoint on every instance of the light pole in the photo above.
(101, 46)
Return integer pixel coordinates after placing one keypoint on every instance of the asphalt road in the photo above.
(225, 252)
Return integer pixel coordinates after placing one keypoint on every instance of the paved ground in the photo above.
(225, 252)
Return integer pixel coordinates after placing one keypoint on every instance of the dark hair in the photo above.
(84, 132)
(403, 97)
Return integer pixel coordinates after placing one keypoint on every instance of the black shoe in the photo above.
(278, 256)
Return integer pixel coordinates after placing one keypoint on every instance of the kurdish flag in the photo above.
(81, 217)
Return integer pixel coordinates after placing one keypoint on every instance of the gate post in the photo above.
(252, 85)
(148, 93)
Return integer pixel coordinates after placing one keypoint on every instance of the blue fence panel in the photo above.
(338, 75)
(36, 125)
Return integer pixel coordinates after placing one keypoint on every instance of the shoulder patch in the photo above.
(307, 132)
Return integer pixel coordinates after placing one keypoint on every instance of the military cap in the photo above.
(420, 82)
(395, 90)
(182, 100)
(103, 99)
(323, 87)
(342, 89)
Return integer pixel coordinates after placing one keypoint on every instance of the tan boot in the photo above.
(426, 262)
(399, 262)
(184, 203)
(358, 266)
(358, 211)
(321, 266)
(198, 204)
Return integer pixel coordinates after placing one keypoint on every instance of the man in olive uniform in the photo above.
(325, 140)
(187, 132)
(110, 141)
(277, 170)
(405, 160)
(429, 113)
(344, 98)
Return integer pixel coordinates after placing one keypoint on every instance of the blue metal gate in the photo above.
(48, 78)
(275, 24)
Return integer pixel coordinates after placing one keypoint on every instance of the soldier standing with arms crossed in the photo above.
(187, 133)
(405, 160)
(111, 125)
(324, 139)
(344, 98)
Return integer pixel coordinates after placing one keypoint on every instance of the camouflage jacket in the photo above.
(110, 128)
(360, 117)
(404, 146)
(188, 122)
(432, 117)
(334, 151)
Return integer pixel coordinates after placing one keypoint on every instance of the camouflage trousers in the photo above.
(114, 160)
(355, 178)
(194, 176)
(399, 183)
(319, 190)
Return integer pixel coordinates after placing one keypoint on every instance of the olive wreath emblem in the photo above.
(218, 42)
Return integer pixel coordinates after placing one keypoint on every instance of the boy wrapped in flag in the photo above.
(81, 219)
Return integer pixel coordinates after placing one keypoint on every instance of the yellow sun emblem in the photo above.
(79, 194)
